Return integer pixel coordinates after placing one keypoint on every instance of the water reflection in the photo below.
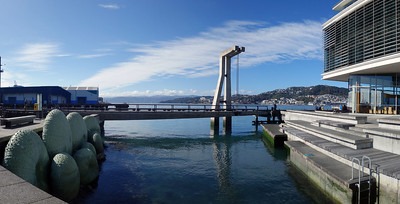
(223, 160)
(278, 153)
(163, 165)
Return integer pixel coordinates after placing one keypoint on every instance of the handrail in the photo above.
(186, 107)
(369, 176)
(359, 174)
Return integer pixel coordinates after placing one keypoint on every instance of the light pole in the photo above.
(1, 71)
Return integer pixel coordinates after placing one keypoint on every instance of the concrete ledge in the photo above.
(313, 116)
(335, 124)
(393, 134)
(274, 134)
(388, 162)
(389, 123)
(346, 139)
(385, 139)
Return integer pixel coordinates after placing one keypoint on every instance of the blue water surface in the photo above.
(178, 161)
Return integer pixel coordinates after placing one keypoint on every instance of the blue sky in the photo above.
(162, 47)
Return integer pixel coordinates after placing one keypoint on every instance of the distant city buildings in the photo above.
(317, 100)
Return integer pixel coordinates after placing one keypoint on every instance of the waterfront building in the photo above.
(83, 95)
(362, 47)
(19, 95)
(49, 95)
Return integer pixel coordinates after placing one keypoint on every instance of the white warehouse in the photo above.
(83, 95)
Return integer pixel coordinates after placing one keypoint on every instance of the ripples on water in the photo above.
(176, 161)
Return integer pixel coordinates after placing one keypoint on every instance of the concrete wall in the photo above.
(329, 185)
(389, 190)
(386, 144)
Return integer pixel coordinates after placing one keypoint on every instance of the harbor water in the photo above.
(177, 161)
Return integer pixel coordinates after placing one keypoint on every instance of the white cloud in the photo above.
(91, 56)
(163, 92)
(198, 56)
(37, 56)
(101, 52)
(110, 6)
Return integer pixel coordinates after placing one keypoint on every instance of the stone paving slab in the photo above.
(15, 190)
(6, 133)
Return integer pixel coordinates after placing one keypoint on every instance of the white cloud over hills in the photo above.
(198, 56)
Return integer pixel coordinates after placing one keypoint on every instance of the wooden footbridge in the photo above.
(180, 111)
(170, 111)
(162, 111)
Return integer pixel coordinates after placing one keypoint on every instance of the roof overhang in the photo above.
(346, 11)
(342, 4)
(383, 65)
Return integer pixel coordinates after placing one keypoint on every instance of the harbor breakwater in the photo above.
(62, 158)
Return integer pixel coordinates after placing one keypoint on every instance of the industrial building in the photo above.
(50, 95)
(362, 47)
(83, 95)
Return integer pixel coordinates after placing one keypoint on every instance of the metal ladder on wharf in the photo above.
(366, 188)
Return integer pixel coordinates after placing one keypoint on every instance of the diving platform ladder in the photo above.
(365, 188)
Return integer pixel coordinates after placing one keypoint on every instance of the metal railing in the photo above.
(160, 107)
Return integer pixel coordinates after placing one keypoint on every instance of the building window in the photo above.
(374, 93)
(369, 32)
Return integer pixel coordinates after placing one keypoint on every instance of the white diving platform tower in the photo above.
(224, 77)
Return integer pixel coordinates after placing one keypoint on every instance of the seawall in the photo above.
(333, 149)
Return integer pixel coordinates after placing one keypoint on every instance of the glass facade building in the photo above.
(362, 47)
(371, 31)
(374, 93)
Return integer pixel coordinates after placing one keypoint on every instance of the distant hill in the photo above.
(306, 94)
(192, 99)
(139, 99)
(301, 92)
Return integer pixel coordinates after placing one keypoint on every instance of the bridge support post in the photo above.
(214, 126)
(225, 76)
(102, 132)
(227, 125)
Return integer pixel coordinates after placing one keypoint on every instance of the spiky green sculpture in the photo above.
(64, 177)
(26, 156)
(57, 133)
(87, 164)
(78, 129)
(92, 124)
(98, 143)
(89, 146)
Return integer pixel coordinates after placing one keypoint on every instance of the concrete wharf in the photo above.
(331, 153)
